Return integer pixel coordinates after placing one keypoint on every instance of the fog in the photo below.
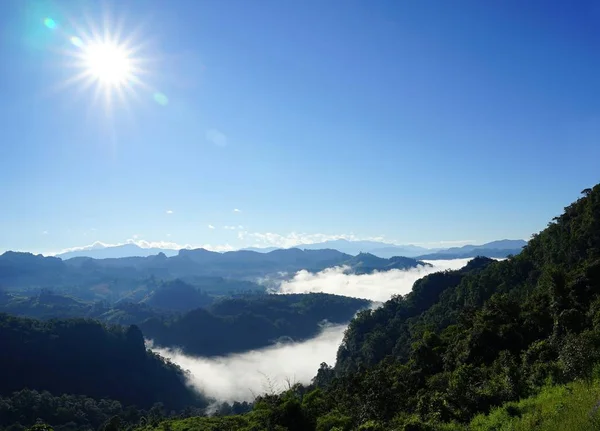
(379, 286)
(240, 377)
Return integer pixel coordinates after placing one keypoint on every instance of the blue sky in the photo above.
(416, 122)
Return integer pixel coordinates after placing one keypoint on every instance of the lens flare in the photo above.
(161, 99)
(50, 23)
(76, 41)
(104, 59)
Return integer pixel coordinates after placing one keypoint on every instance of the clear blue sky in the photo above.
(418, 121)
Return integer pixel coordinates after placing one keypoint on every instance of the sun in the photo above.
(105, 63)
(108, 63)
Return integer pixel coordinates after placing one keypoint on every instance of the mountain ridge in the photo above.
(380, 249)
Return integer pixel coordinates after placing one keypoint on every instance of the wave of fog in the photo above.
(241, 377)
(379, 286)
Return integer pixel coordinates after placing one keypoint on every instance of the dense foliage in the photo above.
(250, 322)
(84, 357)
(495, 345)
(464, 342)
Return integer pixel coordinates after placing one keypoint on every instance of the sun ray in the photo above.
(103, 59)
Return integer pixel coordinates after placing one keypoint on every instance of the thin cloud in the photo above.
(241, 377)
(379, 286)
(210, 226)
(216, 137)
(235, 210)
(169, 211)
(45, 232)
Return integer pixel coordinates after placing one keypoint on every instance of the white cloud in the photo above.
(45, 232)
(210, 226)
(169, 211)
(168, 235)
(216, 137)
(379, 286)
(235, 210)
(243, 376)
(233, 227)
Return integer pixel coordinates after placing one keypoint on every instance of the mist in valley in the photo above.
(378, 286)
(241, 377)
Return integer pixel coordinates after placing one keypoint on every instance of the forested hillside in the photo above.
(495, 345)
(83, 357)
(464, 342)
(251, 322)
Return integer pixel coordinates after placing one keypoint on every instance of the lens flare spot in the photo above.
(161, 99)
(50, 23)
(76, 41)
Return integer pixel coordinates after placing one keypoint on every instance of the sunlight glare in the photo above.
(108, 63)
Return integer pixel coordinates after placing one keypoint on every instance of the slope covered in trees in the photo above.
(462, 349)
(251, 322)
(464, 342)
(83, 357)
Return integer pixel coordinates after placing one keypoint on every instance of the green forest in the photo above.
(496, 345)
(513, 344)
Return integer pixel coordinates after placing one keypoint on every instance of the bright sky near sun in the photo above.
(236, 123)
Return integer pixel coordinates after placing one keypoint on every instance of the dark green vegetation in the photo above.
(467, 342)
(212, 326)
(83, 357)
(497, 345)
(82, 374)
(245, 323)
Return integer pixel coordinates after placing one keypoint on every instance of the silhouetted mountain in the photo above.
(177, 296)
(260, 249)
(496, 249)
(366, 263)
(100, 251)
(21, 270)
(356, 247)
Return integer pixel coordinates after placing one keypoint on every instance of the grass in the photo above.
(571, 407)
(226, 423)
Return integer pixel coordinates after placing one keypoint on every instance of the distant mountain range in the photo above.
(497, 249)
(100, 251)
(28, 270)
